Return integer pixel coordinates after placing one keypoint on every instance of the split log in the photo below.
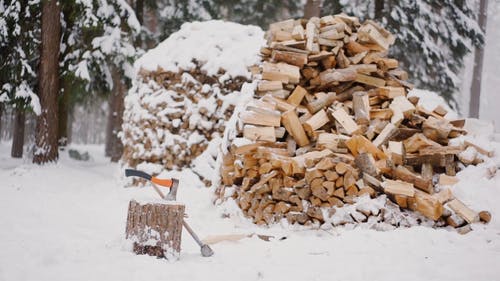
(361, 107)
(294, 128)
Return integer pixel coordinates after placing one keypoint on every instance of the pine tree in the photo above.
(46, 148)
(19, 39)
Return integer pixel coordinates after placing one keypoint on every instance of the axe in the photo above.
(173, 184)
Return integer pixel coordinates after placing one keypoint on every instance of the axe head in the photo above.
(173, 184)
(172, 195)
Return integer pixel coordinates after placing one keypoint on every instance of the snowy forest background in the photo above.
(100, 40)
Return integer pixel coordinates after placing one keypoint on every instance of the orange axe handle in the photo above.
(163, 182)
(135, 173)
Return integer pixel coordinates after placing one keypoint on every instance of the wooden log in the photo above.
(269, 85)
(359, 144)
(383, 113)
(417, 142)
(294, 128)
(369, 80)
(368, 33)
(397, 187)
(279, 103)
(291, 71)
(322, 102)
(427, 171)
(310, 32)
(405, 175)
(297, 59)
(427, 205)
(297, 95)
(391, 92)
(318, 120)
(403, 105)
(489, 153)
(331, 141)
(345, 120)
(286, 25)
(275, 76)
(361, 107)
(260, 116)
(437, 130)
(485, 216)
(366, 164)
(364, 68)
(298, 32)
(463, 211)
(444, 196)
(259, 133)
(388, 131)
(331, 76)
(447, 180)
(155, 228)
(331, 175)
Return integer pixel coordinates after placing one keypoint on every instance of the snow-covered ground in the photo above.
(66, 221)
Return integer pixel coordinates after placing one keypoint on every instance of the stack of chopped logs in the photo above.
(333, 122)
(171, 121)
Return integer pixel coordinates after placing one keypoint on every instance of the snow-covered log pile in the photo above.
(184, 91)
(333, 135)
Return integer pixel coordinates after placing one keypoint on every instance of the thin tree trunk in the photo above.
(379, 8)
(475, 90)
(312, 8)
(139, 13)
(47, 121)
(18, 133)
(63, 104)
(114, 146)
(1, 113)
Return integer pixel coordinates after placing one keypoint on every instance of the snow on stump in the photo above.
(184, 92)
(155, 228)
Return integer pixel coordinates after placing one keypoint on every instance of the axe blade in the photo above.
(172, 195)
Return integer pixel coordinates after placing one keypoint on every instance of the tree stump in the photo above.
(155, 228)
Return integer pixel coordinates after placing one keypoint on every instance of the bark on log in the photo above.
(47, 121)
(155, 229)
(18, 134)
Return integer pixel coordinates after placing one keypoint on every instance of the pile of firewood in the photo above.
(332, 123)
(170, 117)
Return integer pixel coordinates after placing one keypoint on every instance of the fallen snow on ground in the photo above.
(66, 221)
(215, 42)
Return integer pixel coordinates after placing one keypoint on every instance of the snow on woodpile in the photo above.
(335, 135)
(184, 90)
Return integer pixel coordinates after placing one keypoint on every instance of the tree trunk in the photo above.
(1, 113)
(155, 228)
(18, 134)
(139, 13)
(379, 8)
(312, 9)
(47, 121)
(114, 146)
(475, 90)
(139, 10)
(63, 104)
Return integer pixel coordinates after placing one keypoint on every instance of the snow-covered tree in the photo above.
(433, 37)
(19, 42)
(96, 41)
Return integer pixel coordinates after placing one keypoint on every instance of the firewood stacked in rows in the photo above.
(170, 117)
(332, 122)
